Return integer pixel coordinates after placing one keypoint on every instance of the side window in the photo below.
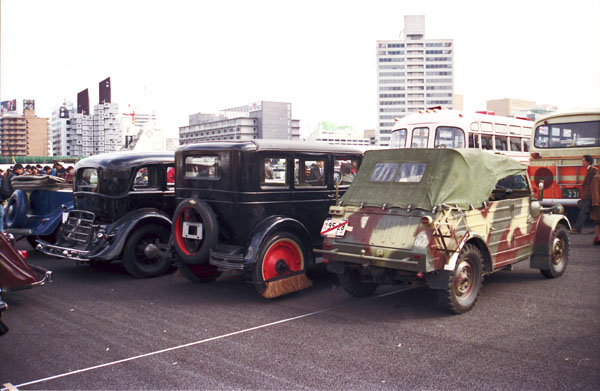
(205, 167)
(525, 145)
(515, 144)
(170, 176)
(501, 144)
(420, 136)
(309, 172)
(345, 171)
(146, 178)
(486, 142)
(474, 140)
(274, 172)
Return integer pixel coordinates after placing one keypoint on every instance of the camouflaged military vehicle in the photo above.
(440, 217)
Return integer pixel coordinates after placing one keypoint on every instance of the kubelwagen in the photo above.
(257, 207)
(123, 203)
(440, 217)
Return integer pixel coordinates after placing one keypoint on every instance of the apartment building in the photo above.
(23, 135)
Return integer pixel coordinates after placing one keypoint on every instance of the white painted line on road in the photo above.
(190, 344)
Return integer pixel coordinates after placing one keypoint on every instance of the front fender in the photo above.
(47, 225)
(543, 238)
(120, 230)
(267, 227)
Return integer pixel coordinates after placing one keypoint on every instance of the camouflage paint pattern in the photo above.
(422, 241)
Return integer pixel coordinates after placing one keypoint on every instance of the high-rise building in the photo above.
(24, 135)
(256, 120)
(79, 133)
(413, 73)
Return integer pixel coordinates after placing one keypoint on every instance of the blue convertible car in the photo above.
(35, 209)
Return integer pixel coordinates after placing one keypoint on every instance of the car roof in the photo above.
(270, 145)
(125, 158)
(461, 177)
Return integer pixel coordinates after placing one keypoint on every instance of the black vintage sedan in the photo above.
(257, 207)
(123, 203)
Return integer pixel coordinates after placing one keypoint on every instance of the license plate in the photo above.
(334, 228)
(192, 230)
(570, 193)
(65, 216)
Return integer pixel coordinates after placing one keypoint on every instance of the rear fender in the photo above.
(543, 239)
(270, 225)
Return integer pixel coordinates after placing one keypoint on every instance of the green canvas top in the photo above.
(425, 178)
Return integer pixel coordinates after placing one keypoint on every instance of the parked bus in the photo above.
(444, 128)
(559, 143)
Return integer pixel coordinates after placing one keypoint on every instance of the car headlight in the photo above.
(422, 240)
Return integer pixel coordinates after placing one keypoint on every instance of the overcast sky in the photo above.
(184, 57)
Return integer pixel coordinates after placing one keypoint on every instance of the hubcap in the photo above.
(282, 257)
(151, 251)
(464, 279)
(558, 250)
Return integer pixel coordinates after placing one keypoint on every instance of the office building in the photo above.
(254, 121)
(413, 73)
(511, 107)
(23, 135)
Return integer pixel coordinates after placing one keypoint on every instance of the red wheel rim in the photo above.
(187, 214)
(286, 250)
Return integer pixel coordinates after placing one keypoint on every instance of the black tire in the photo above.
(279, 254)
(464, 282)
(559, 253)
(198, 273)
(16, 210)
(139, 258)
(351, 281)
(194, 251)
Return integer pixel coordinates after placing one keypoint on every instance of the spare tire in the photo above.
(16, 210)
(195, 230)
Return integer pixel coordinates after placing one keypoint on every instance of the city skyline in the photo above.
(185, 58)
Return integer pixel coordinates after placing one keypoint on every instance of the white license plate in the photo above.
(334, 228)
(65, 216)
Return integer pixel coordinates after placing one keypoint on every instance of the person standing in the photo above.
(585, 203)
(595, 211)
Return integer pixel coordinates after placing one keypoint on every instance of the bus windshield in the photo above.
(568, 135)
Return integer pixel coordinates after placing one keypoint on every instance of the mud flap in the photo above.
(438, 279)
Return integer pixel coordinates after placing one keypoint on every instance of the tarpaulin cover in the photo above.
(425, 178)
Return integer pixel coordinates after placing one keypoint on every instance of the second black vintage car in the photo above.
(123, 203)
(257, 207)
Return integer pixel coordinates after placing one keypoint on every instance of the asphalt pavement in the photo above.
(97, 328)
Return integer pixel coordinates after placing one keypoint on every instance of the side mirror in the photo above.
(540, 190)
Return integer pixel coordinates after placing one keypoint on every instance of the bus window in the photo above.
(420, 137)
(501, 143)
(475, 126)
(501, 128)
(486, 142)
(398, 139)
(541, 137)
(525, 145)
(474, 141)
(449, 137)
(527, 132)
(486, 127)
(575, 134)
(515, 144)
(514, 129)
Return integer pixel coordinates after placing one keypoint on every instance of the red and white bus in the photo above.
(444, 128)
(559, 142)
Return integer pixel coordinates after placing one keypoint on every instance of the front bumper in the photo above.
(62, 252)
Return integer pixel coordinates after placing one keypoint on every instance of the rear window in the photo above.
(408, 172)
(205, 167)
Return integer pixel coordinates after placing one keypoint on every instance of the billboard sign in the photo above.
(6, 106)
